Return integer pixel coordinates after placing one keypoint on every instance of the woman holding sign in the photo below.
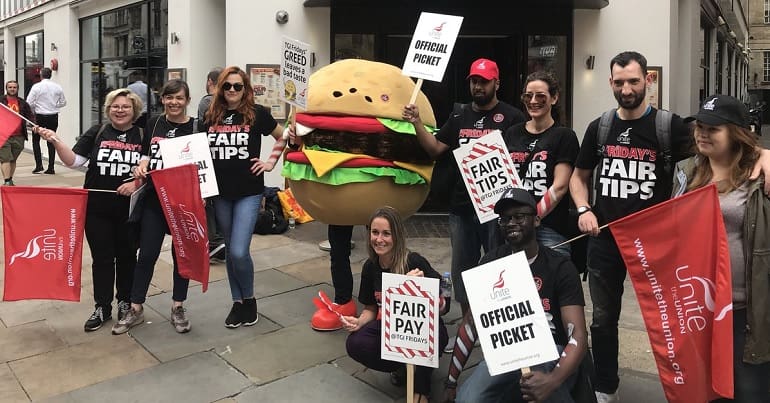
(111, 150)
(235, 127)
(545, 153)
(726, 151)
(175, 96)
(387, 254)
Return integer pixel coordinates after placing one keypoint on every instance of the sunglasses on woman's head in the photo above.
(227, 86)
(539, 97)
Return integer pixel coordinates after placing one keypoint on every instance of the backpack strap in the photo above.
(603, 131)
(99, 133)
(663, 131)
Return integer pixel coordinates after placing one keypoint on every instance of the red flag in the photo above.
(679, 262)
(10, 123)
(179, 193)
(43, 230)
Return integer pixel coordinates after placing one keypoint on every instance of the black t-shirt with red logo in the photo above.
(554, 146)
(158, 129)
(233, 145)
(557, 281)
(631, 170)
(468, 125)
(111, 158)
(371, 277)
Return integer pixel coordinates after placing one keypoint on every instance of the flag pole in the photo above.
(577, 237)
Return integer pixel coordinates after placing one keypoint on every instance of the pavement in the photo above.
(45, 356)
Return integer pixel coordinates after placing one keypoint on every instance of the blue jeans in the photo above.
(236, 220)
(482, 387)
(549, 237)
(468, 236)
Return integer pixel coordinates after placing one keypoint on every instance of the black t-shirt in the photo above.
(554, 146)
(371, 277)
(159, 128)
(558, 284)
(461, 128)
(233, 145)
(631, 174)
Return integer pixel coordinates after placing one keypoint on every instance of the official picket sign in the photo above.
(192, 149)
(510, 320)
(295, 71)
(410, 319)
(487, 170)
(432, 44)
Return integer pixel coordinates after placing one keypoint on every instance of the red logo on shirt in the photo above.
(498, 117)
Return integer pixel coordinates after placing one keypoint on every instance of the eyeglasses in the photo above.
(539, 97)
(121, 107)
(517, 218)
(237, 86)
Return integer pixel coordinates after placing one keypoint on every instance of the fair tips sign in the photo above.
(410, 319)
(192, 149)
(295, 71)
(486, 170)
(432, 44)
(512, 326)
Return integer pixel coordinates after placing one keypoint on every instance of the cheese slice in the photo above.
(323, 162)
(420, 169)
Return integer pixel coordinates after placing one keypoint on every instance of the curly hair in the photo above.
(218, 106)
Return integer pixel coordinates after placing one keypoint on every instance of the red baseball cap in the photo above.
(484, 68)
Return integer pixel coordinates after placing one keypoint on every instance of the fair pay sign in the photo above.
(410, 319)
(513, 329)
(487, 170)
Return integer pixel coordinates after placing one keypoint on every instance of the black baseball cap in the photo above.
(722, 109)
(512, 197)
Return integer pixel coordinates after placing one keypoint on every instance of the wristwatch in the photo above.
(583, 209)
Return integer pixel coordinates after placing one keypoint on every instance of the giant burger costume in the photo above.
(357, 153)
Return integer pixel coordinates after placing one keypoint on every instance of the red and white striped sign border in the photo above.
(481, 150)
(409, 288)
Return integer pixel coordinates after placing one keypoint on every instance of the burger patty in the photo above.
(390, 146)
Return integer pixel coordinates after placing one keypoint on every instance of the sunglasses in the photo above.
(539, 97)
(515, 218)
(227, 86)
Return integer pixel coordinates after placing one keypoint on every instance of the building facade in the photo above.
(697, 47)
(759, 48)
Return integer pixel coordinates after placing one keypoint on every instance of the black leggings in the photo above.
(363, 346)
(152, 231)
(113, 244)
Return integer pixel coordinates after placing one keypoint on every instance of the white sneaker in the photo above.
(326, 246)
(602, 397)
(450, 346)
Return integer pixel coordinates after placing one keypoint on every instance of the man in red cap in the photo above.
(468, 121)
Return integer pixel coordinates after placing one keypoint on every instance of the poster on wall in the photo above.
(266, 81)
(655, 90)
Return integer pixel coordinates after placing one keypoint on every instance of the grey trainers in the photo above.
(179, 320)
(123, 308)
(130, 319)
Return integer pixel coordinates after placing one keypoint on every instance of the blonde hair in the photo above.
(744, 154)
(136, 102)
(398, 234)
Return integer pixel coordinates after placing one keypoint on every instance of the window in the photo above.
(767, 11)
(766, 66)
(2, 62)
(29, 60)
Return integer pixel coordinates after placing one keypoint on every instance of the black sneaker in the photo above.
(37, 170)
(250, 315)
(398, 377)
(97, 319)
(218, 254)
(123, 308)
(50, 171)
(235, 317)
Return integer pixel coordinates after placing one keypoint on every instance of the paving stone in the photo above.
(201, 377)
(78, 366)
(321, 384)
(284, 352)
(10, 389)
(262, 242)
(27, 340)
(283, 255)
(635, 351)
(293, 307)
(206, 313)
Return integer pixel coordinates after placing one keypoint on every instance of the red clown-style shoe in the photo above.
(327, 317)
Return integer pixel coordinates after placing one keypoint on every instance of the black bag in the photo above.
(270, 219)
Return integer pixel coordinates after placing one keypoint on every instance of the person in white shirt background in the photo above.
(140, 88)
(46, 98)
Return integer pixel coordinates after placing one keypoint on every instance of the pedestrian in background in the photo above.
(235, 127)
(726, 151)
(46, 98)
(111, 151)
(140, 88)
(13, 147)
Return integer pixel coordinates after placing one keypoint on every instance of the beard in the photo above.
(631, 102)
(483, 99)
